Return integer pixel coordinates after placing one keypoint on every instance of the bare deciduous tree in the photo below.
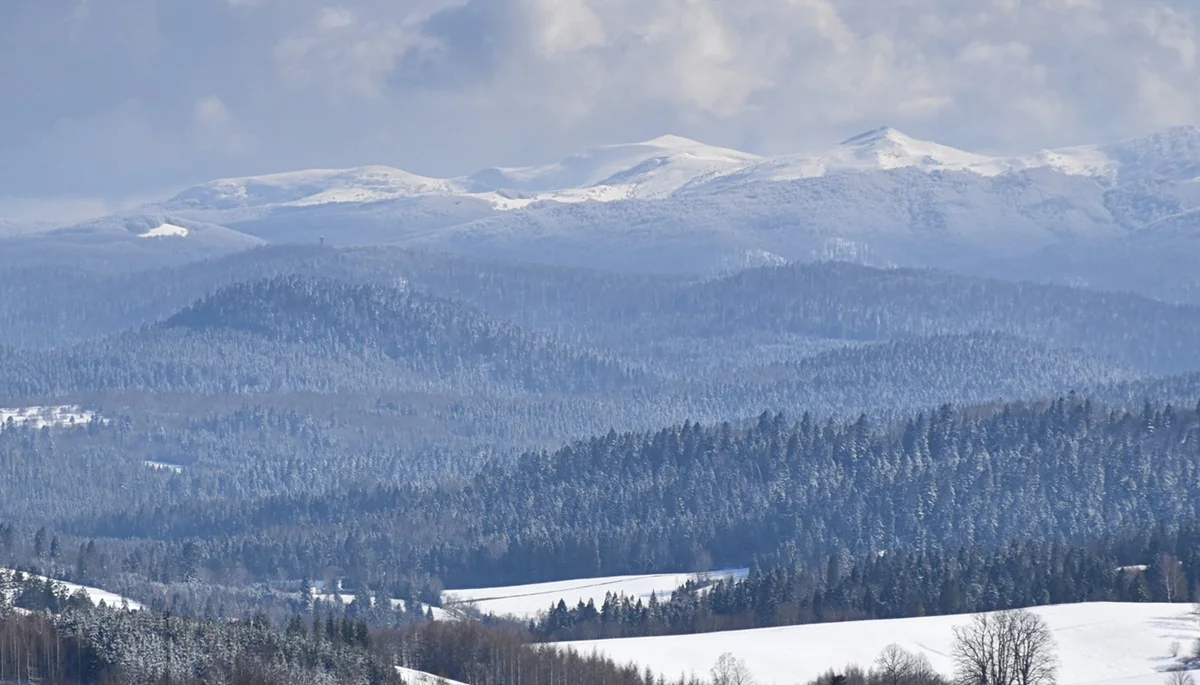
(1005, 648)
(1180, 678)
(897, 666)
(1171, 577)
(730, 670)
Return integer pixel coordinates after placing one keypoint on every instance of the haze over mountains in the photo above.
(1118, 216)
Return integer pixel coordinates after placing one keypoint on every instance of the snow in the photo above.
(48, 417)
(660, 168)
(1090, 160)
(675, 205)
(527, 601)
(421, 678)
(882, 149)
(310, 188)
(165, 231)
(1121, 644)
(96, 595)
(654, 168)
(375, 184)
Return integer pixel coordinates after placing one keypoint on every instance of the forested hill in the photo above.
(845, 301)
(431, 334)
(300, 334)
(677, 324)
(694, 496)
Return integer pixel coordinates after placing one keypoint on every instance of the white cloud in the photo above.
(344, 55)
(446, 86)
(568, 26)
(333, 18)
(216, 129)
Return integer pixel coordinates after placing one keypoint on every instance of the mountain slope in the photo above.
(695, 496)
(1118, 216)
(655, 168)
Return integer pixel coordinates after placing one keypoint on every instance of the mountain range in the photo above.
(1117, 216)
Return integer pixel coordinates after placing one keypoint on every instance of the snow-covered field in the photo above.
(42, 417)
(526, 601)
(1098, 644)
(95, 594)
(421, 678)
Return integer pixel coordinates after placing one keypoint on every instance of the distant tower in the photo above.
(322, 239)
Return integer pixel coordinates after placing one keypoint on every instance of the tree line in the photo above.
(1153, 565)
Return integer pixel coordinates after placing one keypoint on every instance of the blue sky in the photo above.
(106, 101)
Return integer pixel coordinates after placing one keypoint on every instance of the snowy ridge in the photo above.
(659, 168)
(1097, 643)
(1120, 216)
(883, 149)
(312, 187)
(654, 168)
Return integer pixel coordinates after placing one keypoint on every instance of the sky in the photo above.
(107, 102)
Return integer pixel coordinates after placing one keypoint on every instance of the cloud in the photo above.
(216, 130)
(447, 86)
(343, 54)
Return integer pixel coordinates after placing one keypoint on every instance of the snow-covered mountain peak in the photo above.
(653, 168)
(1169, 155)
(668, 165)
(670, 141)
(310, 187)
(887, 148)
(876, 136)
(880, 149)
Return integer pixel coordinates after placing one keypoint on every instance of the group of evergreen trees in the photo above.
(690, 497)
(695, 496)
(86, 645)
(1135, 566)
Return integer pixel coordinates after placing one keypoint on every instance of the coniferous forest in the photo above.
(220, 442)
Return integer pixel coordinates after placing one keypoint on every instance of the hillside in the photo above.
(1125, 644)
(311, 335)
(857, 303)
(698, 497)
(747, 319)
